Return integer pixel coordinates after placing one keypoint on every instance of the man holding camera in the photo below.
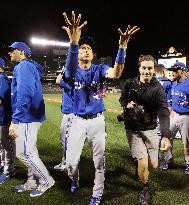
(143, 99)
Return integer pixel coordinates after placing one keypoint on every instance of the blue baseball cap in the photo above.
(2, 62)
(178, 66)
(21, 46)
(87, 40)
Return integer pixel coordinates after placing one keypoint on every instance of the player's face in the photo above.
(15, 55)
(146, 71)
(177, 74)
(85, 53)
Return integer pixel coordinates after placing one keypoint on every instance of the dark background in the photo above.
(163, 24)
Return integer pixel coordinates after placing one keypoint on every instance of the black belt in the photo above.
(183, 113)
(86, 117)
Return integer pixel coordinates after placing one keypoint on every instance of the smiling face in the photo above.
(146, 70)
(176, 74)
(179, 74)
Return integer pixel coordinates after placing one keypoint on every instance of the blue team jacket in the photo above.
(87, 84)
(166, 84)
(26, 93)
(88, 89)
(67, 98)
(5, 96)
(180, 96)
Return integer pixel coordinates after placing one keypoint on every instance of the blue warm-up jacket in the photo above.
(26, 93)
(5, 97)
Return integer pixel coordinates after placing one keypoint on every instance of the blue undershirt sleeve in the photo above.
(71, 62)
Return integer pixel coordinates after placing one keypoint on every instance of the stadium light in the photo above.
(44, 42)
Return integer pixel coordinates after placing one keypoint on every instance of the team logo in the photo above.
(97, 95)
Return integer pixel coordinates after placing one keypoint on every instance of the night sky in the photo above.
(163, 24)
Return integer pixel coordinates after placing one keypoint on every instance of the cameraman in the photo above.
(143, 99)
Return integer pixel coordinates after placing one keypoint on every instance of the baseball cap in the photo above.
(178, 66)
(21, 46)
(2, 62)
(87, 40)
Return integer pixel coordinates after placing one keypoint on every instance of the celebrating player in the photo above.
(88, 120)
(67, 110)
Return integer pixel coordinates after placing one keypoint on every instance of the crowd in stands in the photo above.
(49, 88)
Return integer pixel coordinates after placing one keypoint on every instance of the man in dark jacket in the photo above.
(143, 99)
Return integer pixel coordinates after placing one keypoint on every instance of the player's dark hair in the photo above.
(159, 68)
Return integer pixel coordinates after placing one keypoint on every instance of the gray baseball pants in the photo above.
(64, 130)
(179, 123)
(94, 131)
(26, 152)
(7, 149)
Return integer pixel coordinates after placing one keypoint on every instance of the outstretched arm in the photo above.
(117, 70)
(73, 30)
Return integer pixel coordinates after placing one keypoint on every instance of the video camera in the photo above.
(135, 114)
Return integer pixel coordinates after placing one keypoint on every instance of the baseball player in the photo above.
(28, 113)
(166, 84)
(179, 120)
(7, 144)
(67, 110)
(88, 120)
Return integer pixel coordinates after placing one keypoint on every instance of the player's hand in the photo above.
(59, 78)
(12, 130)
(125, 36)
(165, 144)
(73, 28)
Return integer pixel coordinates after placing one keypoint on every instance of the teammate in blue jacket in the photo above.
(28, 113)
(164, 81)
(166, 84)
(88, 120)
(7, 144)
(179, 120)
(67, 110)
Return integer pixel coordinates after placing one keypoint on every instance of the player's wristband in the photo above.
(123, 47)
(120, 59)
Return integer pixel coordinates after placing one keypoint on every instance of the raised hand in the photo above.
(59, 78)
(73, 28)
(125, 37)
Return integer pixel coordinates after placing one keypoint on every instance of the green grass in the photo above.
(168, 187)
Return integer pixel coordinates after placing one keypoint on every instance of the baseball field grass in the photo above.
(167, 187)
